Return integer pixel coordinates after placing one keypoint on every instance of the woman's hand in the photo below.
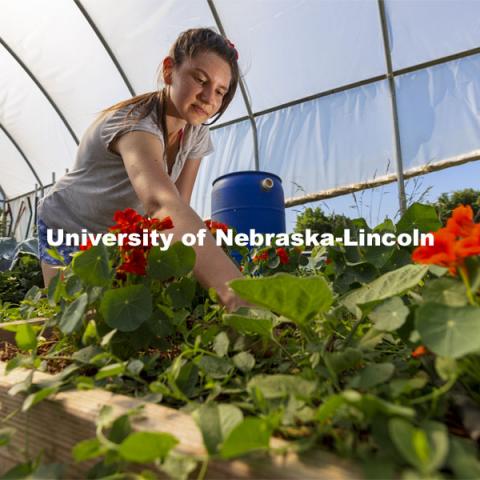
(142, 154)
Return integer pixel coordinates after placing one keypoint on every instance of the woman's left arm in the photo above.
(186, 179)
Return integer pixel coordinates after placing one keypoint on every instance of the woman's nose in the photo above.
(207, 95)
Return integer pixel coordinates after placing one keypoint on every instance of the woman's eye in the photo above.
(201, 81)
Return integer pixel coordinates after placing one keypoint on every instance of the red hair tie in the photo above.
(232, 45)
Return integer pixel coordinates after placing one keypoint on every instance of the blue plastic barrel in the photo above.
(249, 199)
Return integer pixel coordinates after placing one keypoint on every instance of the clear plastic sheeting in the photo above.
(423, 30)
(296, 48)
(335, 140)
(56, 43)
(34, 125)
(233, 152)
(292, 53)
(16, 176)
(439, 111)
(142, 33)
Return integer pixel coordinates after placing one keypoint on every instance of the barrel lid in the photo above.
(247, 172)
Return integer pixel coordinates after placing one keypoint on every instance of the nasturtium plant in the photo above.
(370, 353)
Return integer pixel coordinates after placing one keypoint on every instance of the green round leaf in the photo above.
(298, 298)
(216, 421)
(279, 386)
(142, 447)
(373, 375)
(251, 434)
(424, 448)
(126, 308)
(388, 285)
(72, 316)
(449, 331)
(244, 361)
(390, 315)
(176, 261)
(421, 217)
(25, 337)
(92, 266)
(447, 291)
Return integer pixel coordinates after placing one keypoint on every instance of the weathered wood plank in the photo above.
(55, 425)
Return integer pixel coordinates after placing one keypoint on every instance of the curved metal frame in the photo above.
(20, 151)
(107, 48)
(41, 88)
(391, 74)
(243, 89)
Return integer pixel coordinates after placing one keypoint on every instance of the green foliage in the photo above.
(324, 357)
(445, 203)
(316, 220)
(15, 283)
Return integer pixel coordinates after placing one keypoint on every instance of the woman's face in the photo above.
(197, 86)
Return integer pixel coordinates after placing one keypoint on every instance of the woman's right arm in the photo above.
(142, 154)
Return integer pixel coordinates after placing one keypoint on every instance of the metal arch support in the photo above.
(393, 96)
(41, 88)
(107, 48)
(243, 89)
(20, 151)
(4, 195)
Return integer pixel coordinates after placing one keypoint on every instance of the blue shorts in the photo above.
(64, 250)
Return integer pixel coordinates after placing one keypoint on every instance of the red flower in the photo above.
(156, 224)
(420, 351)
(134, 261)
(282, 254)
(461, 223)
(86, 246)
(214, 226)
(442, 252)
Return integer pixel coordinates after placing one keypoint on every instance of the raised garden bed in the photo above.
(55, 426)
(360, 353)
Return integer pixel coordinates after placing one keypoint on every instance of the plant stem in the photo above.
(352, 332)
(203, 469)
(435, 393)
(464, 275)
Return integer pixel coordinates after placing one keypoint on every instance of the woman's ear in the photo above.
(167, 68)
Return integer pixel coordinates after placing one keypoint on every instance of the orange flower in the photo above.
(420, 351)
(442, 252)
(261, 256)
(452, 244)
(461, 223)
(466, 247)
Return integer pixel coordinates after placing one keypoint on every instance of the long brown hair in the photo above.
(188, 44)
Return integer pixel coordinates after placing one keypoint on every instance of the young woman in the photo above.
(145, 153)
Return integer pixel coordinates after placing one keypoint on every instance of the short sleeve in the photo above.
(119, 123)
(202, 145)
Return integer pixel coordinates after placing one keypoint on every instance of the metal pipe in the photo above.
(20, 151)
(402, 198)
(106, 46)
(41, 88)
(243, 89)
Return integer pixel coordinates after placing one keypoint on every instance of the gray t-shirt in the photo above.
(98, 185)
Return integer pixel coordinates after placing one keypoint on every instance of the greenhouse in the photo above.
(240, 238)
